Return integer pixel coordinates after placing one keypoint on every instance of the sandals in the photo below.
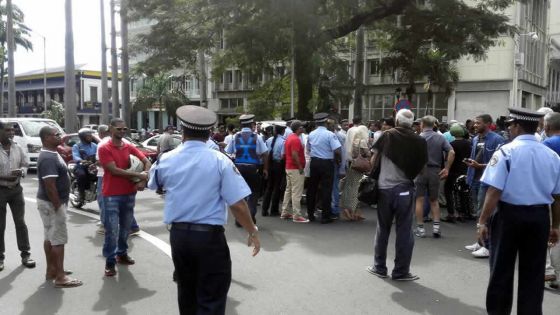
(69, 283)
(347, 215)
(66, 272)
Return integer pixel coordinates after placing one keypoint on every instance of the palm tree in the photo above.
(21, 34)
(124, 63)
(157, 91)
(70, 102)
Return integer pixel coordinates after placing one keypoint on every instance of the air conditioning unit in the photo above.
(520, 59)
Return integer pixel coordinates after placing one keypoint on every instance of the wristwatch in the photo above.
(254, 233)
(478, 225)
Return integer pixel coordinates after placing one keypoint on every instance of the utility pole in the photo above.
(114, 64)
(70, 101)
(104, 84)
(124, 64)
(12, 110)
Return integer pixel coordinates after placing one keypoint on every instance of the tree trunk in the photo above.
(12, 110)
(303, 65)
(70, 102)
(359, 77)
(114, 64)
(124, 64)
(2, 73)
(161, 121)
(202, 78)
(104, 84)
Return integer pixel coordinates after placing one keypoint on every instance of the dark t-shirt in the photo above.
(462, 150)
(480, 147)
(50, 164)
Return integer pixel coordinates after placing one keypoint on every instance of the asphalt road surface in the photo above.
(302, 269)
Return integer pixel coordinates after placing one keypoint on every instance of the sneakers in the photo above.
(374, 272)
(420, 232)
(110, 271)
(300, 220)
(28, 262)
(125, 260)
(286, 216)
(407, 277)
(473, 247)
(436, 232)
(481, 253)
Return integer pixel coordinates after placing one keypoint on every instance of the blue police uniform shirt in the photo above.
(200, 182)
(322, 143)
(261, 146)
(288, 132)
(278, 150)
(526, 171)
(89, 149)
(212, 145)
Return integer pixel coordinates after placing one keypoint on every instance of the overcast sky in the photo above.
(46, 17)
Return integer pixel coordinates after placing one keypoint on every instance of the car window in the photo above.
(153, 142)
(32, 127)
(17, 130)
(70, 141)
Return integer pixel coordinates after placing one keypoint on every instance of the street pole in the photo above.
(114, 64)
(124, 64)
(45, 101)
(70, 102)
(11, 75)
(104, 84)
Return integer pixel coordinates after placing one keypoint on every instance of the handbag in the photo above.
(361, 164)
(368, 191)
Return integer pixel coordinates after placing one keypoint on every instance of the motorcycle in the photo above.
(90, 194)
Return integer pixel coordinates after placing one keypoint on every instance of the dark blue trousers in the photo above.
(517, 231)
(203, 268)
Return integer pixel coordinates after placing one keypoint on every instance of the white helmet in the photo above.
(135, 166)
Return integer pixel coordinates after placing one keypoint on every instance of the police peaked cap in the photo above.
(320, 117)
(246, 119)
(523, 114)
(196, 117)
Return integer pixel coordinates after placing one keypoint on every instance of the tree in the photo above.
(271, 100)
(157, 91)
(70, 99)
(259, 34)
(55, 112)
(124, 63)
(21, 34)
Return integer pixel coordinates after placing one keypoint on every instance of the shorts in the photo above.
(428, 181)
(54, 222)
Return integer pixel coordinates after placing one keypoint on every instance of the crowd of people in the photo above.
(503, 174)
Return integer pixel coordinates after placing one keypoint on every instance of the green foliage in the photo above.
(55, 112)
(157, 91)
(271, 100)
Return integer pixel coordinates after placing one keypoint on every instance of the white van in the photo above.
(27, 135)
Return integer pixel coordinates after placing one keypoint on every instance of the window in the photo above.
(374, 67)
(231, 103)
(229, 76)
(93, 94)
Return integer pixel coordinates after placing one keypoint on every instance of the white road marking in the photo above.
(158, 243)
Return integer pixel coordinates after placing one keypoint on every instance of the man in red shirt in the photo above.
(119, 193)
(295, 178)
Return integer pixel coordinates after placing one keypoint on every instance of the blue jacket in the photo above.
(493, 142)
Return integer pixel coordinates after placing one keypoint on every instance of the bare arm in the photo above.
(113, 169)
(240, 211)
(450, 158)
(554, 233)
(493, 195)
(295, 157)
(52, 193)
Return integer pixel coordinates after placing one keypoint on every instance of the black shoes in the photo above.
(28, 262)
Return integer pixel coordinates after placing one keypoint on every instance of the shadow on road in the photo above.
(422, 300)
(6, 282)
(46, 298)
(118, 291)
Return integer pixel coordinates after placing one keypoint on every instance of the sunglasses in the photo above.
(121, 128)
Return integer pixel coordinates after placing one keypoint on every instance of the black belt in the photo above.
(438, 166)
(186, 226)
(320, 159)
(512, 206)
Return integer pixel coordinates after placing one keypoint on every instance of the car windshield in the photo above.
(32, 127)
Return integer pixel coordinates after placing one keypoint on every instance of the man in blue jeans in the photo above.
(483, 147)
(119, 192)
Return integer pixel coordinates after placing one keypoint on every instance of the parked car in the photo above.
(69, 140)
(153, 141)
(27, 135)
(92, 127)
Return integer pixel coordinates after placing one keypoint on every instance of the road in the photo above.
(302, 269)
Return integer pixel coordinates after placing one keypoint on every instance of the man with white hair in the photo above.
(396, 194)
(541, 132)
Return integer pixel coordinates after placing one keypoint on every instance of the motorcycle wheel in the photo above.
(74, 195)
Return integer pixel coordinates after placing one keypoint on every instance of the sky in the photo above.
(47, 18)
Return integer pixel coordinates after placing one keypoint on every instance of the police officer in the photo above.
(289, 130)
(83, 153)
(250, 152)
(524, 179)
(324, 149)
(276, 182)
(198, 245)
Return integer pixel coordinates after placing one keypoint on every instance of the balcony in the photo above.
(235, 86)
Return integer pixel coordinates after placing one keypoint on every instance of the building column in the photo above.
(451, 101)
